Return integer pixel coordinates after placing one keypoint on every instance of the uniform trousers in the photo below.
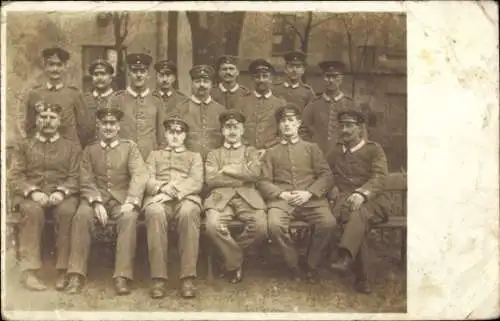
(254, 232)
(82, 230)
(33, 221)
(185, 214)
(320, 218)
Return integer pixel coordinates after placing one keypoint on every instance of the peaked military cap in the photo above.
(328, 66)
(165, 66)
(351, 115)
(56, 51)
(287, 110)
(231, 115)
(48, 108)
(113, 111)
(101, 63)
(226, 59)
(295, 56)
(176, 123)
(202, 71)
(259, 65)
(139, 60)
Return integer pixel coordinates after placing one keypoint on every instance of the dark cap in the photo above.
(351, 115)
(231, 115)
(113, 111)
(139, 60)
(226, 59)
(330, 66)
(287, 110)
(62, 54)
(101, 63)
(165, 67)
(202, 71)
(48, 108)
(296, 56)
(260, 65)
(176, 123)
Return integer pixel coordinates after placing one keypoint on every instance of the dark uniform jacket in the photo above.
(223, 186)
(94, 101)
(45, 165)
(229, 98)
(170, 99)
(113, 172)
(180, 167)
(75, 122)
(261, 128)
(320, 120)
(143, 119)
(295, 166)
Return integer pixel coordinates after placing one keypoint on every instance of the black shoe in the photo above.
(62, 281)
(188, 290)
(237, 275)
(343, 265)
(362, 286)
(121, 286)
(75, 284)
(157, 290)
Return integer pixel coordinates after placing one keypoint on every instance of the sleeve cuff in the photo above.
(64, 190)
(133, 200)
(93, 200)
(30, 190)
(158, 186)
(363, 191)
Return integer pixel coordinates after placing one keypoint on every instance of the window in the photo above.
(283, 33)
(91, 53)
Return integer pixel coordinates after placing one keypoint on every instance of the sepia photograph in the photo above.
(205, 161)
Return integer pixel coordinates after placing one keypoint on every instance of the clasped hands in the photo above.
(47, 200)
(167, 193)
(296, 198)
(101, 213)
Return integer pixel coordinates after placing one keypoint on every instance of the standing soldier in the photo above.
(259, 107)
(228, 93)
(112, 181)
(320, 117)
(75, 122)
(175, 179)
(45, 179)
(166, 77)
(102, 77)
(201, 112)
(231, 172)
(295, 180)
(143, 112)
(359, 167)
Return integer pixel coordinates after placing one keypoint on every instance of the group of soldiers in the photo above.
(265, 156)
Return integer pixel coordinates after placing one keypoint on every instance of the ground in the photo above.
(264, 288)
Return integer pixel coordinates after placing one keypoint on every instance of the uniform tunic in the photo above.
(234, 196)
(229, 98)
(261, 128)
(203, 121)
(143, 118)
(95, 101)
(184, 170)
(75, 122)
(320, 120)
(297, 165)
(46, 165)
(170, 99)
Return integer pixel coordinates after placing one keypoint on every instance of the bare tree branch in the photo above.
(125, 24)
(322, 21)
(285, 20)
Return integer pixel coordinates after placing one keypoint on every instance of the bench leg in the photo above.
(210, 262)
(403, 246)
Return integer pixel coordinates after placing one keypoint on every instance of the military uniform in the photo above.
(299, 94)
(95, 101)
(111, 174)
(170, 99)
(230, 98)
(45, 165)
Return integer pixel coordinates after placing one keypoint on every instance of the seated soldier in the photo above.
(112, 181)
(175, 179)
(44, 176)
(295, 180)
(359, 167)
(231, 172)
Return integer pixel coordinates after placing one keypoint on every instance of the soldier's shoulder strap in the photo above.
(73, 87)
(244, 90)
(127, 141)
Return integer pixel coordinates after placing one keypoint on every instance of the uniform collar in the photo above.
(232, 146)
(335, 99)
(54, 87)
(267, 95)
(44, 139)
(198, 102)
(292, 141)
(136, 94)
(113, 144)
(232, 90)
(288, 85)
(179, 149)
(96, 94)
(355, 148)
(163, 93)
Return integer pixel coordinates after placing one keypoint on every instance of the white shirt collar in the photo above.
(198, 102)
(293, 141)
(232, 90)
(43, 139)
(178, 149)
(168, 93)
(336, 98)
(108, 92)
(355, 148)
(296, 85)
(232, 146)
(136, 94)
(267, 95)
(56, 87)
(113, 144)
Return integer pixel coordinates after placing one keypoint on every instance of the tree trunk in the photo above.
(173, 17)
(233, 25)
